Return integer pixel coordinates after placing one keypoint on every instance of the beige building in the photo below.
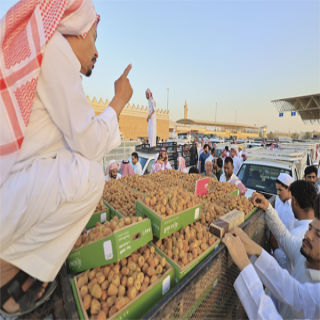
(133, 120)
(222, 129)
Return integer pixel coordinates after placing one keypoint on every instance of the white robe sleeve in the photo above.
(281, 258)
(288, 243)
(302, 298)
(250, 291)
(69, 108)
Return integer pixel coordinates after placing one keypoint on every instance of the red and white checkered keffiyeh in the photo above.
(148, 91)
(25, 30)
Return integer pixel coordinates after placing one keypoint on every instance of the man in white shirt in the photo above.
(303, 198)
(136, 164)
(305, 258)
(303, 299)
(228, 171)
(52, 181)
(236, 160)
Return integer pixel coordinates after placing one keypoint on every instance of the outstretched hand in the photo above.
(236, 250)
(123, 91)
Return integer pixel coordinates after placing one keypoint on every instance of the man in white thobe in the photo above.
(152, 120)
(236, 160)
(303, 264)
(303, 299)
(112, 171)
(283, 206)
(56, 180)
(166, 164)
(303, 198)
(136, 164)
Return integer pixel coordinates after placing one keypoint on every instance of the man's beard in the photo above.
(88, 74)
(307, 256)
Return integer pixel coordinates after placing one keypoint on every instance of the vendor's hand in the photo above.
(273, 242)
(251, 247)
(123, 92)
(236, 250)
(260, 201)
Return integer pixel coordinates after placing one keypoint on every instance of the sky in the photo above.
(238, 54)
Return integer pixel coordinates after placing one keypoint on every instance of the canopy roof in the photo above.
(213, 124)
(308, 107)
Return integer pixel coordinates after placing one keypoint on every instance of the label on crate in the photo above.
(196, 214)
(107, 247)
(103, 217)
(166, 285)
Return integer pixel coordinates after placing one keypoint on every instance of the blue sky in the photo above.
(240, 54)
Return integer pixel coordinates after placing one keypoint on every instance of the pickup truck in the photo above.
(262, 168)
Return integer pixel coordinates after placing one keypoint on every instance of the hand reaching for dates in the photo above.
(236, 250)
(260, 201)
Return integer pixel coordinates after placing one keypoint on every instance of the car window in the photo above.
(149, 167)
(259, 177)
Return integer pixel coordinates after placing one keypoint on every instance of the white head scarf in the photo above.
(112, 164)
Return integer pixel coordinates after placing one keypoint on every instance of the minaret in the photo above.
(186, 110)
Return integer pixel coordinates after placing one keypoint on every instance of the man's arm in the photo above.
(63, 96)
(250, 292)
(278, 253)
(288, 243)
(248, 285)
(303, 298)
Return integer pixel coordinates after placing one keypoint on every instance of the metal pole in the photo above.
(168, 99)
(216, 116)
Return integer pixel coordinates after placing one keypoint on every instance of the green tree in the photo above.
(270, 135)
(260, 135)
(307, 135)
(295, 136)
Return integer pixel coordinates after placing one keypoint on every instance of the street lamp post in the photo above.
(168, 99)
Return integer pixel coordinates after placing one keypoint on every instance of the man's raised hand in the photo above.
(123, 91)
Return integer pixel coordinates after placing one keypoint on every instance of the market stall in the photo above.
(154, 232)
